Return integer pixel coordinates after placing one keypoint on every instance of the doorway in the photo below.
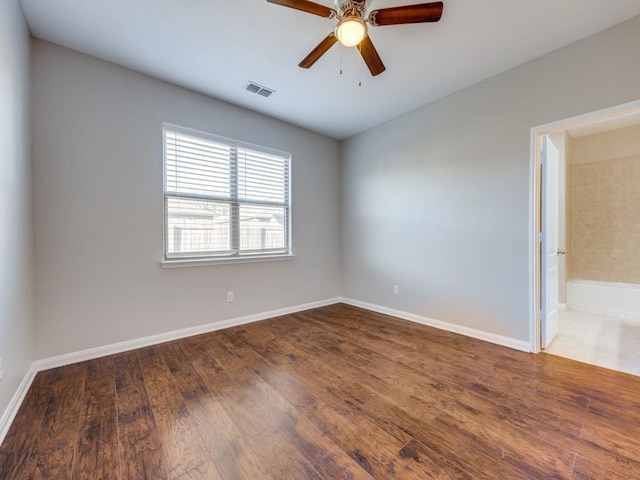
(562, 293)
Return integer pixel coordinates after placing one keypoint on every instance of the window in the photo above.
(224, 199)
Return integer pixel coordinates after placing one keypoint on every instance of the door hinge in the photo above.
(541, 237)
(541, 315)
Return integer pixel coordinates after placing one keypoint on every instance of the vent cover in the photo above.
(259, 89)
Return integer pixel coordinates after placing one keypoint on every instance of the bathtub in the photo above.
(609, 298)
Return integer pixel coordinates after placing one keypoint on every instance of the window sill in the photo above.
(201, 262)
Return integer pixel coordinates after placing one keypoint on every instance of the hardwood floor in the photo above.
(336, 392)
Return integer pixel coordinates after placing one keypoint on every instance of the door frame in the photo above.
(535, 202)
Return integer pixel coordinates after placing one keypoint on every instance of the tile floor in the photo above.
(610, 342)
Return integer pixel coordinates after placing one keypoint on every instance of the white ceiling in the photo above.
(216, 46)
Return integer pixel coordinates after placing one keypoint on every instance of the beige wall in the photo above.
(605, 207)
(623, 142)
(567, 215)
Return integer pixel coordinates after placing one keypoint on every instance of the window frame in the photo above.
(234, 202)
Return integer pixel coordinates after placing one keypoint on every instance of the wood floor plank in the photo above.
(254, 407)
(224, 442)
(369, 447)
(333, 392)
(60, 424)
(395, 374)
(434, 441)
(183, 445)
(416, 460)
(280, 457)
(363, 440)
(131, 396)
(621, 438)
(529, 455)
(552, 408)
(340, 466)
(292, 435)
(184, 373)
(23, 433)
(330, 384)
(142, 456)
(547, 408)
(627, 390)
(279, 438)
(587, 470)
(231, 455)
(97, 451)
(366, 399)
(619, 410)
(55, 464)
(310, 440)
(206, 471)
(627, 467)
(459, 366)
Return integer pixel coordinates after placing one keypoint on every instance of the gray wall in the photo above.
(16, 319)
(98, 208)
(437, 200)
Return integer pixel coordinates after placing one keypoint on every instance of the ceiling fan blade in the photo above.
(307, 6)
(419, 13)
(371, 57)
(320, 50)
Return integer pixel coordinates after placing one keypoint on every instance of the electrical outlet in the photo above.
(229, 296)
(396, 289)
(1, 373)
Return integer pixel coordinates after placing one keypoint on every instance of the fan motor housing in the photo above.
(347, 8)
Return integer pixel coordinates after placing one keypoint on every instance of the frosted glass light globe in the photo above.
(350, 31)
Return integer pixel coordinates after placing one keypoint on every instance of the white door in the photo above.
(549, 242)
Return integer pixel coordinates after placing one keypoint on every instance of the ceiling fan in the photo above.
(351, 29)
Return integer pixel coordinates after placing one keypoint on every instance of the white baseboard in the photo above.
(14, 405)
(562, 306)
(604, 298)
(105, 350)
(450, 327)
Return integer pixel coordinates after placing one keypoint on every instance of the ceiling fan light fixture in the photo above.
(351, 31)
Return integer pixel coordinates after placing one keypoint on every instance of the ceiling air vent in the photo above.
(259, 89)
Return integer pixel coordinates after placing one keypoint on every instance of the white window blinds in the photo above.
(224, 198)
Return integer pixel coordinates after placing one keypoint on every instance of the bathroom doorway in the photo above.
(586, 242)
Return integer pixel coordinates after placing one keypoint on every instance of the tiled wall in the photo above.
(605, 220)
